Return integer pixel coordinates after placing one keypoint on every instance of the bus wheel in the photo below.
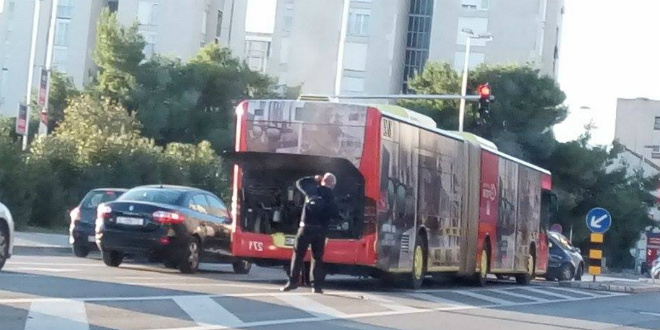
(527, 278)
(482, 275)
(419, 262)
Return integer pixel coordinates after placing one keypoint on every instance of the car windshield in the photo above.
(94, 198)
(155, 195)
(563, 242)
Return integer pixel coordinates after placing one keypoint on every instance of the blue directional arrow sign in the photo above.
(599, 220)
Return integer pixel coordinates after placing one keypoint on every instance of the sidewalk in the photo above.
(40, 243)
(604, 283)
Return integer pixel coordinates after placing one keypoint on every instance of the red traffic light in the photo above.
(484, 91)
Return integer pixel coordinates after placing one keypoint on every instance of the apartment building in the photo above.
(389, 41)
(638, 127)
(169, 28)
(75, 30)
(173, 29)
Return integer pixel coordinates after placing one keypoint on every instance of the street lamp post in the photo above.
(471, 35)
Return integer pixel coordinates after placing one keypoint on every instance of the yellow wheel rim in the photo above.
(530, 265)
(418, 262)
(483, 269)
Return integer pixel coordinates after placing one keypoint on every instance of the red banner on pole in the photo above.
(21, 119)
(43, 88)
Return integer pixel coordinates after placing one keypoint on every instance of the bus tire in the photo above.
(525, 279)
(484, 260)
(420, 253)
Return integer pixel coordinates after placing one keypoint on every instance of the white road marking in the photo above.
(390, 304)
(62, 314)
(206, 312)
(548, 293)
(513, 294)
(50, 270)
(649, 313)
(493, 300)
(228, 285)
(432, 298)
(311, 306)
(63, 264)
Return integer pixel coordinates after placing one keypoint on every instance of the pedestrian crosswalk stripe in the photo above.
(205, 311)
(493, 300)
(513, 294)
(311, 306)
(435, 299)
(548, 293)
(62, 314)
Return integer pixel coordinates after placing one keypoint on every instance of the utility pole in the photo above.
(33, 50)
(43, 127)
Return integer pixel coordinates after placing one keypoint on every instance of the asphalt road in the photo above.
(66, 293)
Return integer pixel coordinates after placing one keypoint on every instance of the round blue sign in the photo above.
(599, 220)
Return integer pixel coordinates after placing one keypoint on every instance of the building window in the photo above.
(62, 32)
(288, 17)
(60, 57)
(352, 84)
(218, 26)
(475, 4)
(418, 38)
(113, 5)
(147, 12)
(64, 9)
(656, 124)
(358, 23)
(257, 52)
(205, 16)
(150, 44)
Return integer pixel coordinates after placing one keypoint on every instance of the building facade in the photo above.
(638, 127)
(257, 50)
(75, 30)
(388, 42)
(168, 27)
(172, 29)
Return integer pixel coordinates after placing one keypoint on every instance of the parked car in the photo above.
(565, 262)
(6, 234)
(655, 269)
(175, 225)
(83, 217)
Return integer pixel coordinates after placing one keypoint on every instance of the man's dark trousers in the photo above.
(307, 236)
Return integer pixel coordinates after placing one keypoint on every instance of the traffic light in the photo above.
(485, 96)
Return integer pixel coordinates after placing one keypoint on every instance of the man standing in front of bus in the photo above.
(319, 208)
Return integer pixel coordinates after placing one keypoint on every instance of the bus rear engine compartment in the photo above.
(271, 202)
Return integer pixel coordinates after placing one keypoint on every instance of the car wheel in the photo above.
(189, 264)
(4, 245)
(419, 262)
(484, 261)
(112, 258)
(527, 277)
(565, 273)
(242, 267)
(80, 250)
(579, 273)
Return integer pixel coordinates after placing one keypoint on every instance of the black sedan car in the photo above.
(175, 225)
(565, 262)
(83, 216)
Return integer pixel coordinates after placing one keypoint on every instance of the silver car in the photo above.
(6, 234)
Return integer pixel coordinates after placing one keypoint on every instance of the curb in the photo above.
(40, 250)
(641, 288)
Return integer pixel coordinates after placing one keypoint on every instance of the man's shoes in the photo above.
(317, 290)
(288, 287)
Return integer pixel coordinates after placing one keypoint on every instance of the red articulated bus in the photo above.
(414, 200)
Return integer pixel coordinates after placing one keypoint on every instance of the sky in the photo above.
(609, 49)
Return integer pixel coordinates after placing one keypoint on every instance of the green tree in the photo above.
(61, 91)
(118, 55)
